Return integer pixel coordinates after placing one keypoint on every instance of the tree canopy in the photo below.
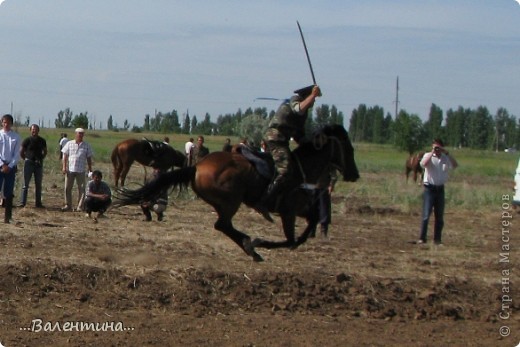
(461, 127)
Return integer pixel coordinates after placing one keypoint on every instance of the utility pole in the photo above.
(396, 97)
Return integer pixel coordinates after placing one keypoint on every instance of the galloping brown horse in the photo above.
(146, 152)
(226, 180)
(413, 165)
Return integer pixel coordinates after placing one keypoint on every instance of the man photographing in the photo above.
(436, 164)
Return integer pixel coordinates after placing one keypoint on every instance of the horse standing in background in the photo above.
(413, 164)
(225, 180)
(146, 152)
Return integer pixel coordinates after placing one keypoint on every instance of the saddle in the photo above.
(263, 162)
(156, 147)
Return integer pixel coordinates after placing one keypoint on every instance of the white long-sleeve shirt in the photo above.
(10, 143)
(436, 170)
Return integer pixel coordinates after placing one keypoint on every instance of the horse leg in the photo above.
(311, 227)
(124, 172)
(288, 221)
(421, 174)
(313, 217)
(242, 240)
(117, 175)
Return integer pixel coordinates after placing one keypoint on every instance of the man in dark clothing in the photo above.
(33, 151)
(98, 195)
(323, 203)
(198, 151)
(227, 145)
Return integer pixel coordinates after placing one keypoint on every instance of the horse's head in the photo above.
(342, 150)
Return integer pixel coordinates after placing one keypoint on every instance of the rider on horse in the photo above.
(288, 122)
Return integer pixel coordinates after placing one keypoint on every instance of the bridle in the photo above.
(318, 142)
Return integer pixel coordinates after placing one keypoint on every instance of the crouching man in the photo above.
(98, 195)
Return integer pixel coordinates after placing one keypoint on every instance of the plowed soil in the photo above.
(181, 283)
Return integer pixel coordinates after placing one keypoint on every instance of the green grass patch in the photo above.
(479, 182)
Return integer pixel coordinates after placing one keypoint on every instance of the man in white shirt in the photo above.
(10, 143)
(77, 156)
(516, 197)
(436, 164)
(187, 149)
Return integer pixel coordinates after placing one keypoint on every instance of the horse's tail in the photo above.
(116, 160)
(153, 189)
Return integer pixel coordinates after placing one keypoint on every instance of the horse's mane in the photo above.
(311, 144)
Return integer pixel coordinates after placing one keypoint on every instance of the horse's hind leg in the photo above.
(117, 175)
(124, 172)
(242, 240)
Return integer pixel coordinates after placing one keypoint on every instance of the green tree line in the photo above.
(462, 127)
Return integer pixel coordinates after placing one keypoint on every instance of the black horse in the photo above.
(226, 180)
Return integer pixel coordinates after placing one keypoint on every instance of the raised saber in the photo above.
(307, 53)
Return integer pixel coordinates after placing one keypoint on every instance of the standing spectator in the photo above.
(516, 197)
(33, 151)
(187, 149)
(98, 195)
(198, 151)
(10, 143)
(436, 165)
(159, 205)
(62, 142)
(227, 145)
(323, 194)
(76, 154)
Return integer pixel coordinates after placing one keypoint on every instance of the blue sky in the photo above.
(128, 58)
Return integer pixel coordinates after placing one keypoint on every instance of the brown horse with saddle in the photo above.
(156, 154)
(226, 180)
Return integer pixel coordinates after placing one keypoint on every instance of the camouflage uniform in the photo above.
(288, 122)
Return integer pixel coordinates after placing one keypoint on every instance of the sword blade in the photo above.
(307, 53)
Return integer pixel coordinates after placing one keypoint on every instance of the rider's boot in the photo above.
(272, 192)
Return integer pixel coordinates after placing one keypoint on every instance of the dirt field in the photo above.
(181, 283)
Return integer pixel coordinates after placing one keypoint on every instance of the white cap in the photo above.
(80, 130)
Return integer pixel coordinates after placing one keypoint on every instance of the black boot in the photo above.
(267, 199)
(8, 209)
(274, 189)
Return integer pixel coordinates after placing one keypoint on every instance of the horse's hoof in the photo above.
(249, 248)
(297, 243)
(257, 257)
(256, 242)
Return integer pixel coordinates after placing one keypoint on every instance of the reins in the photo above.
(318, 143)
